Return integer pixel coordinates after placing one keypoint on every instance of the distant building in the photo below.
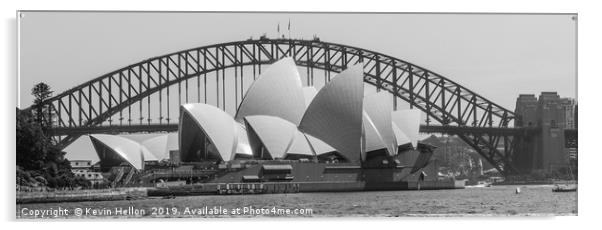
(83, 169)
(526, 110)
(552, 114)
(80, 164)
(94, 177)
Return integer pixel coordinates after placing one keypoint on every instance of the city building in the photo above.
(551, 115)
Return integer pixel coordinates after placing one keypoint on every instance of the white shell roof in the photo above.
(81, 149)
(378, 109)
(130, 151)
(335, 114)
(309, 93)
(372, 139)
(300, 145)
(217, 124)
(401, 137)
(243, 146)
(318, 146)
(275, 134)
(161, 145)
(408, 121)
(277, 92)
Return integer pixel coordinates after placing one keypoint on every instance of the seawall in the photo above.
(81, 195)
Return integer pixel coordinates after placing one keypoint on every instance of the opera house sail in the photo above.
(162, 145)
(206, 133)
(335, 113)
(115, 150)
(377, 124)
(408, 122)
(277, 92)
(273, 136)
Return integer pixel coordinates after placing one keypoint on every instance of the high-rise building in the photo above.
(552, 115)
(526, 110)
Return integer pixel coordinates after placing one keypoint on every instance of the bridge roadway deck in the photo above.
(155, 128)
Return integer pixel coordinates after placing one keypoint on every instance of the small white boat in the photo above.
(481, 184)
(565, 188)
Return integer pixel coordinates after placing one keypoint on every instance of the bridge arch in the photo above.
(443, 100)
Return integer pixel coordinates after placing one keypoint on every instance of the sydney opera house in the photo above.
(334, 138)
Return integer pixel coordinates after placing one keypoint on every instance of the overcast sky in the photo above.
(496, 55)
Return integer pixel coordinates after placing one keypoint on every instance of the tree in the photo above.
(31, 142)
(41, 92)
(36, 153)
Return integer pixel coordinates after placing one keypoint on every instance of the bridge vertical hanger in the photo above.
(395, 82)
(428, 97)
(235, 78)
(272, 51)
(223, 80)
(168, 70)
(178, 79)
(198, 76)
(88, 102)
(242, 77)
(205, 75)
(256, 60)
(71, 121)
(79, 108)
(160, 95)
(259, 65)
(129, 96)
(100, 100)
(459, 104)
(378, 74)
(186, 74)
(443, 105)
(140, 90)
(217, 77)
(326, 66)
(148, 99)
(120, 86)
(311, 64)
(411, 87)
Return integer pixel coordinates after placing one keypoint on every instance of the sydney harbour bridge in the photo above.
(141, 97)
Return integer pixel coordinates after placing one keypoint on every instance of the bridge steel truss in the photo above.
(93, 103)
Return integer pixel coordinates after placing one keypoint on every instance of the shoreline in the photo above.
(541, 182)
(82, 195)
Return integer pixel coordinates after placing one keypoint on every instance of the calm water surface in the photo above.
(496, 200)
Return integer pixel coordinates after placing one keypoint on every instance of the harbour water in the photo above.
(482, 201)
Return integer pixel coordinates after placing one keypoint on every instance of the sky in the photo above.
(498, 56)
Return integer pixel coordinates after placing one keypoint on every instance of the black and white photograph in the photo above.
(279, 114)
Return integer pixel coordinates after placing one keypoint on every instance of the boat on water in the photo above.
(481, 184)
(568, 186)
(565, 188)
